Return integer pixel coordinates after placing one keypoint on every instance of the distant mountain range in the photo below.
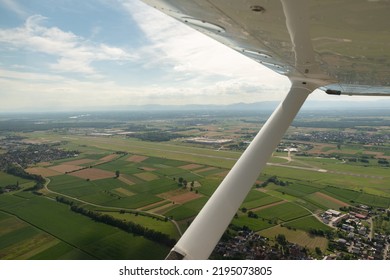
(265, 106)
(268, 105)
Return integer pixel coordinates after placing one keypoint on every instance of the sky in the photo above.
(61, 55)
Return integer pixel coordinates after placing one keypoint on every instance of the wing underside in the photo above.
(346, 43)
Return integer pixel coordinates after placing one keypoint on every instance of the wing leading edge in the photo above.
(348, 40)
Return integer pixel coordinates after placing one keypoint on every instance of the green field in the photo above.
(260, 202)
(188, 209)
(307, 223)
(297, 236)
(173, 152)
(321, 203)
(255, 195)
(209, 185)
(342, 194)
(37, 227)
(373, 200)
(353, 179)
(7, 179)
(149, 222)
(50, 220)
(285, 212)
(251, 223)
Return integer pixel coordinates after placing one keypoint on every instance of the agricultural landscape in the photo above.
(126, 185)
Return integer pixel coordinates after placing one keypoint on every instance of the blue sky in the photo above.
(94, 54)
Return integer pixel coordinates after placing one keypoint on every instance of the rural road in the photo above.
(110, 207)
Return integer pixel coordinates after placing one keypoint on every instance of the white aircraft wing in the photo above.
(347, 42)
(342, 47)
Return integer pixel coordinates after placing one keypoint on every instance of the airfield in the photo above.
(163, 185)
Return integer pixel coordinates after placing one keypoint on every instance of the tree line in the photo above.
(127, 226)
(20, 172)
(10, 188)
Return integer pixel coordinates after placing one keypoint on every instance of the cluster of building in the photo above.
(340, 137)
(293, 147)
(355, 236)
(208, 141)
(25, 154)
(287, 147)
(251, 246)
(353, 239)
(334, 217)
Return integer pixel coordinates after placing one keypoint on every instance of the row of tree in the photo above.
(127, 226)
(156, 136)
(20, 172)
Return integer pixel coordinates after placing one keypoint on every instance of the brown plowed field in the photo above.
(45, 172)
(136, 158)
(65, 168)
(185, 197)
(179, 196)
(93, 174)
(222, 174)
(44, 164)
(108, 158)
(79, 161)
(191, 166)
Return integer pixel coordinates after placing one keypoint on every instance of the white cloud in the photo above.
(199, 61)
(28, 76)
(55, 92)
(194, 69)
(73, 53)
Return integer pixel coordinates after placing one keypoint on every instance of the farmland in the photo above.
(163, 185)
(37, 221)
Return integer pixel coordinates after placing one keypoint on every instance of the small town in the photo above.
(355, 234)
(363, 137)
(251, 246)
(353, 239)
(23, 154)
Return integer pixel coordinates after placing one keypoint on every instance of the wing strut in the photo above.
(205, 231)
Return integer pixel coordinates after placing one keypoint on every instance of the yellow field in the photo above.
(124, 191)
(147, 176)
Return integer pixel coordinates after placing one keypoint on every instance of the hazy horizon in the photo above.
(263, 106)
(104, 54)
